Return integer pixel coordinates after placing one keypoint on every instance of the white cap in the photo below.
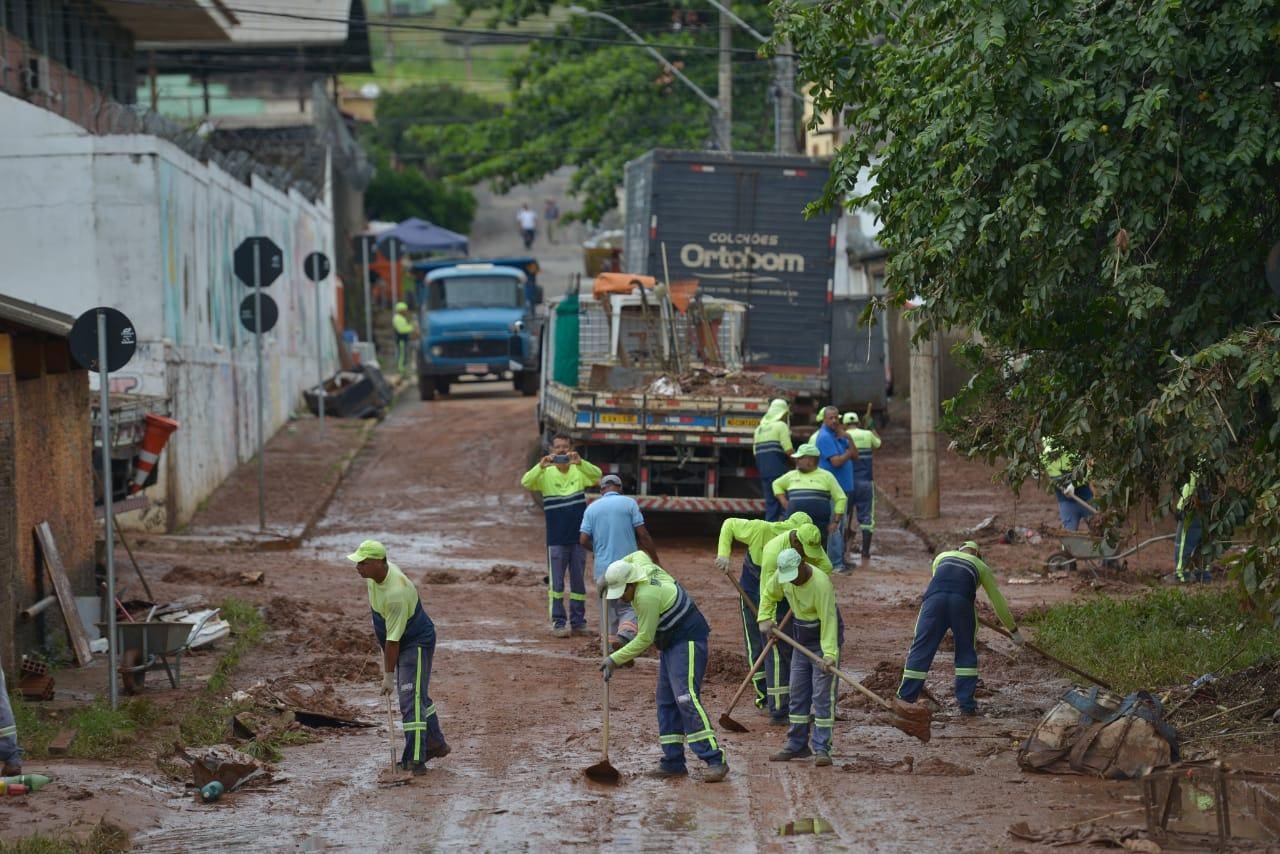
(619, 574)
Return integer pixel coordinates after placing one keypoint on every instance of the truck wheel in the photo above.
(442, 385)
(426, 388)
(527, 383)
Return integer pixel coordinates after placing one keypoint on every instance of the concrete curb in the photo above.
(906, 521)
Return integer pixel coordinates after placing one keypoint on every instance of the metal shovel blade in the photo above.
(730, 724)
(913, 719)
(603, 772)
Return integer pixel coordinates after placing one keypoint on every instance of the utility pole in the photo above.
(725, 93)
(924, 436)
(786, 107)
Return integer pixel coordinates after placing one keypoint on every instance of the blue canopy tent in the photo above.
(418, 235)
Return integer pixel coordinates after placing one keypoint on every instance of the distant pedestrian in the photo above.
(528, 221)
(561, 478)
(863, 499)
(404, 332)
(551, 216)
(817, 628)
(1186, 543)
(613, 527)
(771, 445)
(10, 752)
(836, 456)
(667, 618)
(813, 490)
(408, 640)
(949, 604)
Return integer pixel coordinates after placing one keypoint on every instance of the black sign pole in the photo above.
(320, 353)
(368, 301)
(104, 409)
(262, 448)
(395, 290)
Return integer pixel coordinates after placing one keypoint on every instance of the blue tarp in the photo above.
(418, 235)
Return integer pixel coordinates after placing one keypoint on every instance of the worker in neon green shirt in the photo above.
(562, 478)
(949, 604)
(864, 487)
(404, 330)
(667, 618)
(1186, 543)
(813, 490)
(408, 640)
(817, 628)
(806, 539)
(771, 445)
(754, 534)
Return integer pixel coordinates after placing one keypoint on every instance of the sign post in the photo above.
(394, 247)
(368, 245)
(316, 266)
(258, 263)
(104, 340)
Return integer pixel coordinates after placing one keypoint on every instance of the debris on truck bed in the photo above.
(709, 382)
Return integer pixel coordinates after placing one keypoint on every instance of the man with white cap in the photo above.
(771, 445)
(755, 534)
(949, 604)
(667, 618)
(813, 490)
(817, 627)
(408, 640)
(807, 540)
(613, 527)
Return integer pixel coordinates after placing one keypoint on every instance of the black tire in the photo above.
(1060, 561)
(442, 385)
(526, 383)
(426, 388)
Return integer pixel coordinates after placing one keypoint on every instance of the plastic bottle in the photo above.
(33, 782)
(12, 789)
(211, 792)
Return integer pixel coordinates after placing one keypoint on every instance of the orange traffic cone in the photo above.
(157, 436)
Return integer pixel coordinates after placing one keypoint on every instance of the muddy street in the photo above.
(438, 484)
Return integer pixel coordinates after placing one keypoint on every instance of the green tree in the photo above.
(1091, 187)
(594, 100)
(397, 194)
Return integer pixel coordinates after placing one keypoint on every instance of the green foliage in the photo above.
(397, 194)
(1166, 637)
(596, 104)
(105, 839)
(1092, 190)
(101, 732)
(247, 627)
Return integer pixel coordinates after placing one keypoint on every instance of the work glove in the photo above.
(766, 627)
(1016, 637)
(607, 667)
(828, 664)
(722, 564)
(388, 683)
(1069, 489)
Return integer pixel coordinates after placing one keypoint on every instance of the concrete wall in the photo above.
(135, 223)
(45, 476)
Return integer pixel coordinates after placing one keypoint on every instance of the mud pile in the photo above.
(182, 574)
(513, 576)
(705, 382)
(1240, 702)
(882, 680)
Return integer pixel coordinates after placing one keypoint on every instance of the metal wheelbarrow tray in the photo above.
(148, 646)
(1094, 551)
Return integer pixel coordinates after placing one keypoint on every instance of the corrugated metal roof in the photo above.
(35, 316)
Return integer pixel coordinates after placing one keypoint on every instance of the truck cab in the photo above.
(477, 321)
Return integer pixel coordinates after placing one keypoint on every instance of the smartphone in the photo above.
(560, 459)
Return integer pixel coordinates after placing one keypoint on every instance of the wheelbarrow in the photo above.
(149, 646)
(1096, 552)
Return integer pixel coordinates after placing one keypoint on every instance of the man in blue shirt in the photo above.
(836, 456)
(613, 527)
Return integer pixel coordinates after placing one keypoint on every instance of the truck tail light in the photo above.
(653, 227)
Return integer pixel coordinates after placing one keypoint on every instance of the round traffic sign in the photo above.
(122, 340)
(249, 317)
(316, 266)
(257, 261)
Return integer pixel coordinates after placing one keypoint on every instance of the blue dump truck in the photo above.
(479, 320)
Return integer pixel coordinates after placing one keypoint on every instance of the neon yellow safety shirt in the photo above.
(813, 600)
(1056, 463)
(564, 497)
(653, 596)
(753, 533)
(773, 434)
(818, 480)
(1188, 490)
(986, 578)
(402, 324)
(395, 600)
(773, 548)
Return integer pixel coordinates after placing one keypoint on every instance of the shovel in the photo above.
(999, 629)
(728, 722)
(602, 771)
(393, 776)
(912, 719)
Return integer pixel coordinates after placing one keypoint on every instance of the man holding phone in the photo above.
(561, 478)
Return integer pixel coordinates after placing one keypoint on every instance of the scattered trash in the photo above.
(36, 687)
(351, 394)
(981, 526)
(62, 742)
(210, 792)
(34, 782)
(802, 826)
(1022, 534)
(225, 765)
(12, 789)
(206, 627)
(250, 578)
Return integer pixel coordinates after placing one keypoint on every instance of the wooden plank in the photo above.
(62, 742)
(61, 586)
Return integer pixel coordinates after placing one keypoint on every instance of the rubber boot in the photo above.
(866, 548)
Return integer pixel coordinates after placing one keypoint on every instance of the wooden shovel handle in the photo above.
(754, 667)
(995, 627)
(855, 684)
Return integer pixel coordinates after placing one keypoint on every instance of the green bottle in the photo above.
(33, 782)
(211, 792)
